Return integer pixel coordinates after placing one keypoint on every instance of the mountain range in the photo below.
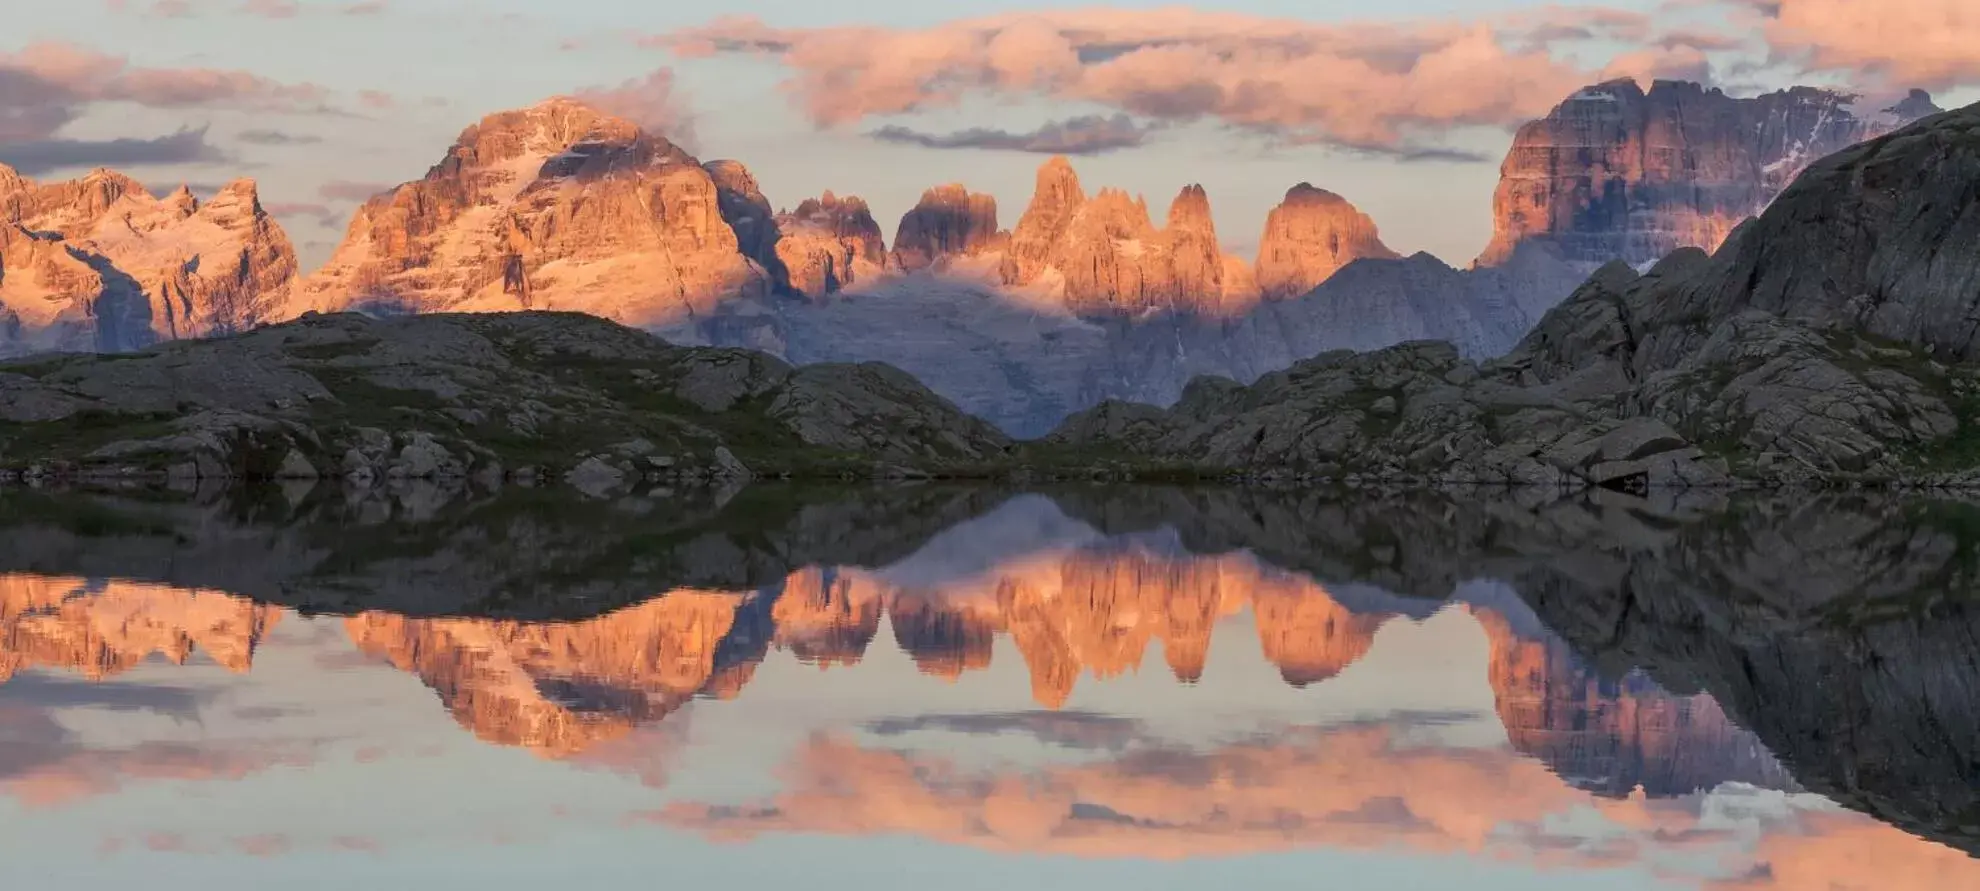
(1084, 299)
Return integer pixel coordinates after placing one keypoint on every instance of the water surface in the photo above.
(970, 688)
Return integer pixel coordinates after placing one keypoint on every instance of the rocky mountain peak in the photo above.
(1191, 210)
(829, 243)
(558, 205)
(109, 266)
(948, 221)
(1308, 237)
(1614, 172)
(1055, 199)
(1915, 105)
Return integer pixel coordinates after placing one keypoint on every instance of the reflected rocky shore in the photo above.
(1665, 648)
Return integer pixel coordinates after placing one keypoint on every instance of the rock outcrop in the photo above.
(101, 264)
(1615, 173)
(460, 395)
(1055, 199)
(1308, 238)
(1103, 256)
(1824, 341)
(559, 207)
(949, 221)
(829, 243)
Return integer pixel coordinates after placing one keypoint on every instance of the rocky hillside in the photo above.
(530, 394)
(1830, 339)
(1615, 173)
(554, 207)
(101, 264)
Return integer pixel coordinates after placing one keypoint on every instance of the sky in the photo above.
(1405, 107)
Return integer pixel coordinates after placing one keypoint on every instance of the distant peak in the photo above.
(1306, 193)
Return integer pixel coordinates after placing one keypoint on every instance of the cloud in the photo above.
(188, 146)
(1421, 154)
(1903, 43)
(276, 137)
(1084, 135)
(45, 86)
(1366, 85)
(347, 190)
(376, 99)
(266, 9)
(1348, 84)
(271, 9)
(320, 214)
(654, 102)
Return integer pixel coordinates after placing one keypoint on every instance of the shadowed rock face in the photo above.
(1615, 173)
(949, 221)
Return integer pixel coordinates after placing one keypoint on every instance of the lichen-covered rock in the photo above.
(452, 396)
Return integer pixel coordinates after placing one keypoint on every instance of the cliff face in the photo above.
(748, 214)
(1104, 256)
(1613, 737)
(100, 263)
(1308, 238)
(558, 206)
(560, 688)
(102, 629)
(949, 221)
(1615, 173)
(829, 243)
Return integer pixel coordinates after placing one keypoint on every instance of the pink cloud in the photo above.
(1352, 84)
(44, 86)
(1907, 43)
(269, 845)
(271, 9)
(654, 102)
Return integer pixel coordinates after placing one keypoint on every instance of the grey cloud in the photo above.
(1077, 730)
(320, 214)
(1421, 154)
(276, 137)
(1084, 135)
(42, 156)
(347, 190)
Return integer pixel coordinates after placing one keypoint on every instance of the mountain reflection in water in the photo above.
(1592, 688)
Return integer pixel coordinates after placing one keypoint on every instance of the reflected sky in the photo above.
(1021, 698)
